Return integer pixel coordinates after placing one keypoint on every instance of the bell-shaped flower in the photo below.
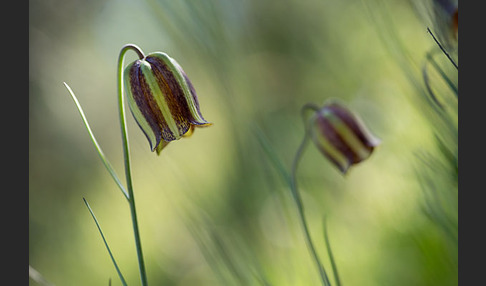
(341, 136)
(162, 99)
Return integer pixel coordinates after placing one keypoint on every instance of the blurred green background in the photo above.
(212, 209)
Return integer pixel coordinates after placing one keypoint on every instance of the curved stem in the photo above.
(133, 47)
(126, 154)
(307, 106)
(300, 207)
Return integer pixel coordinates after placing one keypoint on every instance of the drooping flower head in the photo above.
(162, 99)
(341, 136)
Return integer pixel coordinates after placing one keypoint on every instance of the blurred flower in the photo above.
(162, 99)
(341, 136)
(446, 19)
(455, 23)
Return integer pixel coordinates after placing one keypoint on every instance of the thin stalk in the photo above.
(126, 153)
(106, 243)
(443, 50)
(331, 256)
(291, 180)
(300, 208)
(95, 143)
(298, 199)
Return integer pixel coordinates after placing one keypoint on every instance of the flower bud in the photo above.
(162, 99)
(341, 136)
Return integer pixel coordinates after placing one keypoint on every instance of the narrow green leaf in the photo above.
(425, 76)
(106, 244)
(449, 82)
(97, 146)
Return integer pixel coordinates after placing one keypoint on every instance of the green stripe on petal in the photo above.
(348, 136)
(137, 114)
(177, 71)
(329, 149)
(159, 98)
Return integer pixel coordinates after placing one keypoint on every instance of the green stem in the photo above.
(300, 205)
(126, 152)
(331, 256)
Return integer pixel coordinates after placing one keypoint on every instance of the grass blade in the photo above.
(449, 82)
(106, 244)
(97, 146)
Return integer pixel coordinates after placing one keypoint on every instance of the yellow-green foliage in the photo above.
(214, 210)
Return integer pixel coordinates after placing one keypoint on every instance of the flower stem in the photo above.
(126, 152)
(300, 205)
(331, 256)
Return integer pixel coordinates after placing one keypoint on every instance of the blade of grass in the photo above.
(434, 98)
(210, 258)
(227, 259)
(271, 154)
(442, 74)
(97, 146)
(277, 163)
(106, 244)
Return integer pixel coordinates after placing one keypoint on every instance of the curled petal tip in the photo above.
(160, 147)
